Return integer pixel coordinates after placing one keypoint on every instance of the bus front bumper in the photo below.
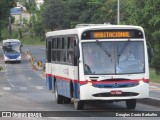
(93, 93)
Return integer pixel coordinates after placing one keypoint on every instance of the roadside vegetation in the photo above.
(25, 38)
(153, 76)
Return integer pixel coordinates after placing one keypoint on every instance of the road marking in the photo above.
(6, 88)
(10, 83)
(29, 78)
(39, 87)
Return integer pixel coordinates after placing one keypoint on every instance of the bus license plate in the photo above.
(116, 92)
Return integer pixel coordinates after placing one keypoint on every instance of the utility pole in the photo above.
(10, 27)
(118, 12)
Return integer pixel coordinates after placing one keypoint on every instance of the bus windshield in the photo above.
(124, 57)
(12, 48)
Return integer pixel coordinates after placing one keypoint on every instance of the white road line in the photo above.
(10, 83)
(29, 78)
(6, 88)
(39, 87)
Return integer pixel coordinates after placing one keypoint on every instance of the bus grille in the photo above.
(124, 94)
(116, 85)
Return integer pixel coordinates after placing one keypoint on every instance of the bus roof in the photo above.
(83, 27)
(11, 40)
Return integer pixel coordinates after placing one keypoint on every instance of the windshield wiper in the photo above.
(122, 50)
(124, 47)
(103, 48)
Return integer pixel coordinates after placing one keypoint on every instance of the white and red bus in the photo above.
(12, 50)
(98, 62)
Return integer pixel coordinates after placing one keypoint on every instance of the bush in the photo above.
(156, 63)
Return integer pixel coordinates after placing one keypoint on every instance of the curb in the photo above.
(150, 101)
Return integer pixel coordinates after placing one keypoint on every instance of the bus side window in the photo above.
(65, 49)
(63, 57)
(70, 57)
(69, 51)
(53, 40)
(72, 38)
(54, 46)
(59, 47)
(46, 44)
(54, 55)
(68, 42)
(76, 51)
(62, 43)
(48, 50)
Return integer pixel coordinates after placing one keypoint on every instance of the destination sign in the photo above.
(111, 34)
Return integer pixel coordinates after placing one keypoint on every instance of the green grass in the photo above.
(153, 77)
(28, 40)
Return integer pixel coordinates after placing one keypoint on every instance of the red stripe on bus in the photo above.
(49, 75)
(63, 78)
(101, 82)
(115, 81)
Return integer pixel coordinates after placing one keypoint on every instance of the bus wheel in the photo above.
(131, 104)
(59, 98)
(78, 105)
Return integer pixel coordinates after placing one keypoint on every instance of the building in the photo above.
(39, 3)
(19, 13)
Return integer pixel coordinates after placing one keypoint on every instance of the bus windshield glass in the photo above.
(124, 57)
(12, 48)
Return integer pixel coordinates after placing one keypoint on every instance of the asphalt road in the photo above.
(24, 89)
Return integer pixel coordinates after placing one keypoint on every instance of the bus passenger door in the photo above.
(48, 64)
(76, 68)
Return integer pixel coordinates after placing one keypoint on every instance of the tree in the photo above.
(105, 12)
(30, 6)
(152, 23)
(5, 6)
(56, 14)
(62, 14)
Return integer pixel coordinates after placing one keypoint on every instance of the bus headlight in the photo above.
(89, 84)
(6, 58)
(19, 57)
(141, 82)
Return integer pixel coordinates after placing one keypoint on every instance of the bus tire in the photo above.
(53, 85)
(131, 104)
(59, 98)
(78, 105)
